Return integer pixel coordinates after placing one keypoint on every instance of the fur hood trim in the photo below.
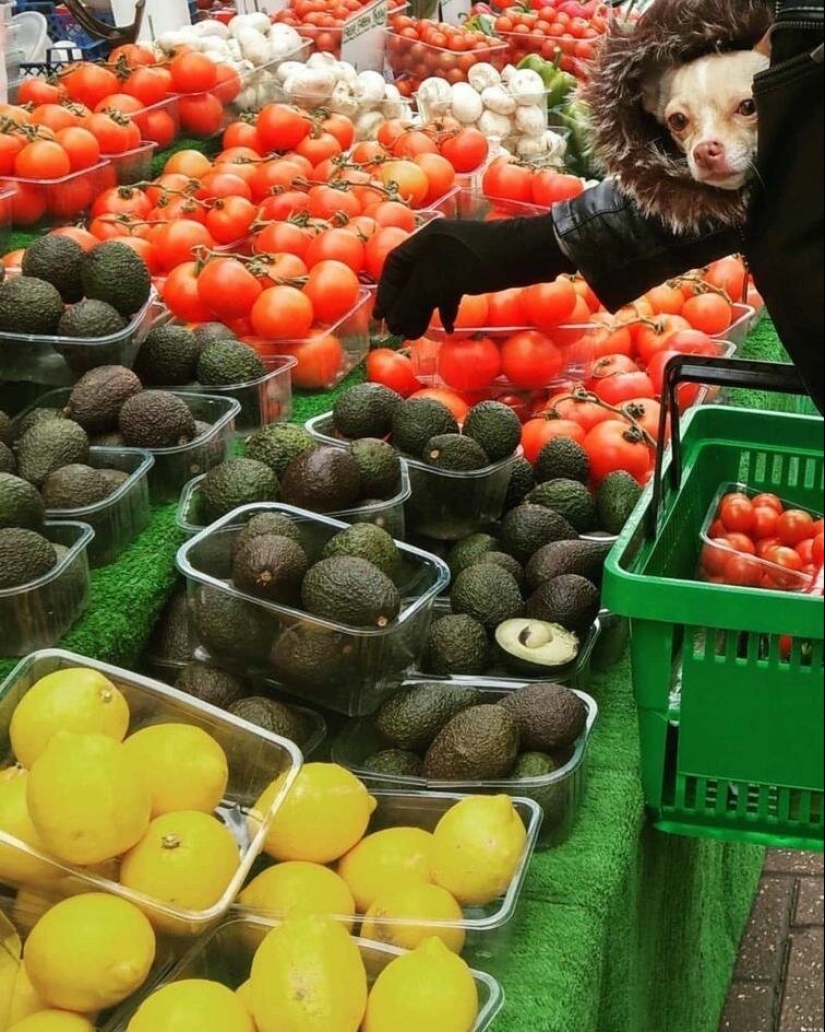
(629, 143)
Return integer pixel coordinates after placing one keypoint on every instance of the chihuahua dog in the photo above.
(708, 107)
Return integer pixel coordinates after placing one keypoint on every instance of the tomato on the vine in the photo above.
(394, 370)
(537, 432)
(228, 288)
(615, 445)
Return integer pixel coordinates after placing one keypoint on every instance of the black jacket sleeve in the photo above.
(623, 253)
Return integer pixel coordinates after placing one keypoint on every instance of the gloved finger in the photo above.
(412, 311)
(448, 310)
(398, 269)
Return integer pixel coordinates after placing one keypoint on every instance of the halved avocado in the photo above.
(533, 647)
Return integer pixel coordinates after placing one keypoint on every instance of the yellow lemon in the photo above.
(477, 848)
(76, 699)
(186, 860)
(193, 1005)
(16, 866)
(85, 800)
(183, 766)
(295, 889)
(89, 952)
(402, 916)
(10, 951)
(25, 1000)
(308, 976)
(244, 994)
(428, 988)
(53, 1021)
(385, 859)
(325, 814)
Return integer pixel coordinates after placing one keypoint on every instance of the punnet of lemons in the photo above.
(139, 811)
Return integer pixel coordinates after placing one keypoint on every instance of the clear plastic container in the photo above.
(488, 928)
(388, 514)
(260, 85)
(267, 399)
(717, 558)
(5, 218)
(159, 123)
(573, 675)
(330, 39)
(444, 506)
(226, 954)
(417, 60)
(118, 519)
(36, 615)
(255, 757)
(743, 322)
(133, 166)
(612, 642)
(346, 669)
(559, 794)
(37, 203)
(60, 361)
(470, 205)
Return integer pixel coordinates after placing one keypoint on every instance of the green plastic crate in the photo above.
(731, 732)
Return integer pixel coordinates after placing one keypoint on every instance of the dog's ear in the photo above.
(764, 45)
(656, 91)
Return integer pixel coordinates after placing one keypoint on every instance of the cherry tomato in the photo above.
(765, 518)
(816, 551)
(771, 500)
(740, 542)
(737, 513)
(789, 568)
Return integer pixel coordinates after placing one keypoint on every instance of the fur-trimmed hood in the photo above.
(629, 143)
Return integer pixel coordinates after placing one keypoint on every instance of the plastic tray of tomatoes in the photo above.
(45, 201)
(5, 217)
(325, 25)
(754, 539)
(133, 166)
(412, 57)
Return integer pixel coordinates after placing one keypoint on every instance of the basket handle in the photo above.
(780, 377)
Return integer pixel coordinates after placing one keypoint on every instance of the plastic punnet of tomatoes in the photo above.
(133, 166)
(325, 25)
(754, 539)
(53, 201)
(427, 49)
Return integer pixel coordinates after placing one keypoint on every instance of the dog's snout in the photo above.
(709, 154)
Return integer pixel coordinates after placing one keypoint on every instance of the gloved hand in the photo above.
(446, 260)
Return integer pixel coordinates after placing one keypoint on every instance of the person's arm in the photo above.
(601, 234)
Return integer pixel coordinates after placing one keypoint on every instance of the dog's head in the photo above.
(708, 107)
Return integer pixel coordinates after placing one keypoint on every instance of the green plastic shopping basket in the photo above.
(731, 730)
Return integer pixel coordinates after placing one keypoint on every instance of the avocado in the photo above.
(8, 463)
(457, 645)
(33, 419)
(394, 762)
(366, 541)
(480, 744)
(168, 356)
(227, 363)
(506, 562)
(379, 466)
(277, 444)
(211, 684)
(534, 648)
(350, 591)
(114, 273)
(155, 419)
(616, 499)
(234, 483)
(170, 638)
(527, 527)
(412, 718)
(325, 479)
(569, 499)
(74, 487)
(210, 332)
(534, 765)
(522, 482)
(56, 260)
(272, 716)
(272, 568)
(455, 453)
(417, 421)
(495, 427)
(99, 395)
(586, 558)
(5, 428)
(391, 520)
(25, 556)
(48, 446)
(112, 439)
(549, 716)
(89, 319)
(469, 550)
(232, 627)
(569, 600)
(365, 410)
(562, 458)
(29, 306)
(21, 504)
(267, 523)
(487, 593)
(115, 479)
(313, 659)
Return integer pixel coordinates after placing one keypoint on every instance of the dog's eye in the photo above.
(678, 122)
(747, 108)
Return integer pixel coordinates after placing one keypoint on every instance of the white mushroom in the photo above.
(531, 121)
(531, 147)
(370, 89)
(287, 69)
(368, 124)
(527, 87)
(343, 101)
(311, 86)
(468, 106)
(435, 98)
(482, 76)
(495, 127)
(211, 27)
(496, 98)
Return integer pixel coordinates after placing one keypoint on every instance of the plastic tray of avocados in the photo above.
(225, 956)
(120, 517)
(487, 928)
(559, 794)
(388, 514)
(60, 361)
(444, 506)
(346, 669)
(36, 615)
(255, 758)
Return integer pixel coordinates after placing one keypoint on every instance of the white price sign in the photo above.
(364, 38)
(455, 12)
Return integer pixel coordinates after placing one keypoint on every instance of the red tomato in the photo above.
(200, 114)
(282, 313)
(228, 288)
(42, 159)
(742, 571)
(787, 576)
(548, 305)
(505, 308)
(454, 402)
(765, 518)
(281, 128)
(469, 365)
(715, 557)
(737, 513)
(805, 551)
(740, 542)
(439, 172)
(321, 360)
(393, 213)
(192, 72)
(548, 188)
(771, 500)
(181, 294)
(816, 553)
(612, 445)
(530, 360)
(333, 290)
(230, 219)
(645, 411)
(795, 525)
(586, 413)
(393, 370)
(472, 314)
(466, 149)
(283, 238)
(507, 181)
(379, 247)
(337, 245)
(180, 241)
(710, 313)
(622, 387)
(408, 179)
(655, 337)
(537, 432)
(728, 274)
(90, 83)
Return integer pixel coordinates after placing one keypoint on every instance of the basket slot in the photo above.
(719, 802)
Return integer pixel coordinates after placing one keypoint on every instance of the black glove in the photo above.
(435, 268)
